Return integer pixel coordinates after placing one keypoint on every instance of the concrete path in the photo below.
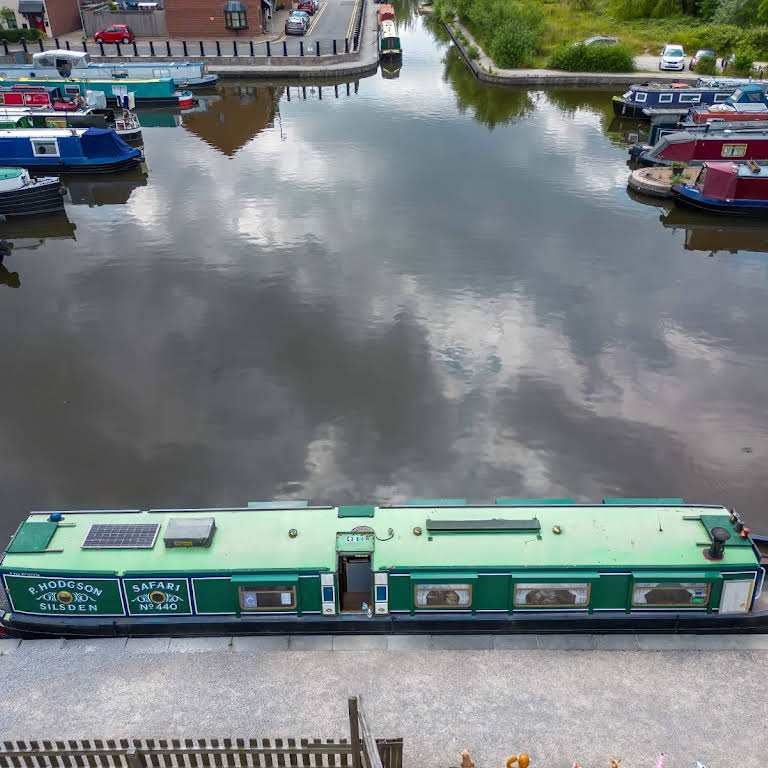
(560, 706)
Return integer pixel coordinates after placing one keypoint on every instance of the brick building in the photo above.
(53, 17)
(220, 19)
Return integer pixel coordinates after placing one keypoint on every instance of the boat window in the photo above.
(701, 178)
(161, 73)
(670, 594)
(550, 595)
(733, 150)
(72, 90)
(721, 97)
(267, 598)
(45, 147)
(665, 98)
(443, 595)
(640, 97)
(690, 98)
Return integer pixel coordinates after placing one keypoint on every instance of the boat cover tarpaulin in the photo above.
(103, 142)
(721, 181)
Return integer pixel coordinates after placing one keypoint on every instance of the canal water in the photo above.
(411, 286)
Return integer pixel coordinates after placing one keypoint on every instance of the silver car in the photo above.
(672, 57)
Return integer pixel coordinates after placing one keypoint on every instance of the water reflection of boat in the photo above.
(93, 191)
(39, 228)
(150, 118)
(390, 69)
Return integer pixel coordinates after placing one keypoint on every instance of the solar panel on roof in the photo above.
(121, 536)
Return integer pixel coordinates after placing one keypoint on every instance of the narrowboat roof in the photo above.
(655, 536)
(79, 80)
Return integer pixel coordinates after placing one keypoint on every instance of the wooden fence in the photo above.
(143, 23)
(361, 750)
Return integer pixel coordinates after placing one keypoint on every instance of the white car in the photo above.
(672, 57)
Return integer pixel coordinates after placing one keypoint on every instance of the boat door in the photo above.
(354, 551)
(354, 583)
(736, 595)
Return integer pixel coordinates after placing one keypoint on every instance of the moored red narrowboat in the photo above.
(517, 565)
(715, 143)
(736, 189)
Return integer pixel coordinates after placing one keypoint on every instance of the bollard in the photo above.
(5, 47)
(101, 47)
(285, 48)
(184, 47)
(117, 45)
(202, 50)
(58, 44)
(168, 47)
(218, 48)
(317, 52)
(269, 50)
(288, 92)
(334, 46)
(40, 43)
(85, 46)
(151, 48)
(336, 90)
(251, 44)
(320, 92)
(301, 47)
(24, 45)
(304, 92)
(347, 89)
(135, 49)
(68, 48)
(234, 47)
(346, 45)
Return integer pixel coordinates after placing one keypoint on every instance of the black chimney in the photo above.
(717, 547)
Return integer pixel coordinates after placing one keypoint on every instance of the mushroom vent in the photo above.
(719, 537)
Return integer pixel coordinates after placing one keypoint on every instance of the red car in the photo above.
(307, 5)
(117, 33)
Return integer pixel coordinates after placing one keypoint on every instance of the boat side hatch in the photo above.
(736, 596)
(354, 582)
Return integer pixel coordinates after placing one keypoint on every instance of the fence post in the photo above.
(24, 45)
(58, 44)
(184, 46)
(285, 48)
(251, 44)
(133, 758)
(354, 732)
(202, 50)
(40, 43)
(101, 47)
(269, 50)
(301, 47)
(151, 48)
(334, 46)
(67, 44)
(346, 45)
(85, 46)
(318, 48)
(5, 47)
(234, 47)
(117, 45)
(168, 47)
(135, 49)
(218, 48)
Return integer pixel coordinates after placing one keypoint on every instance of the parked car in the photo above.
(672, 57)
(308, 6)
(297, 23)
(602, 40)
(117, 33)
(699, 54)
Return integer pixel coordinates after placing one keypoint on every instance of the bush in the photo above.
(742, 63)
(577, 57)
(15, 35)
(706, 65)
(582, 5)
(472, 52)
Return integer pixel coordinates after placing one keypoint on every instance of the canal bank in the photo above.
(560, 706)
(486, 71)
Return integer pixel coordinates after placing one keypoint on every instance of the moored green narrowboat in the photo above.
(429, 565)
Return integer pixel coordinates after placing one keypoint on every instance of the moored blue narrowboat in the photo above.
(429, 565)
(673, 97)
(72, 150)
(731, 189)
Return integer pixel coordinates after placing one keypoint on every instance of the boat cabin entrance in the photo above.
(354, 583)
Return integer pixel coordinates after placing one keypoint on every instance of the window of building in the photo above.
(733, 150)
(670, 594)
(10, 20)
(267, 598)
(235, 15)
(443, 595)
(45, 147)
(551, 595)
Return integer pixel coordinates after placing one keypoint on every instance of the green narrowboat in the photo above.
(517, 565)
(389, 47)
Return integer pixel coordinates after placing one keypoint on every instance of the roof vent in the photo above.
(189, 532)
(717, 547)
